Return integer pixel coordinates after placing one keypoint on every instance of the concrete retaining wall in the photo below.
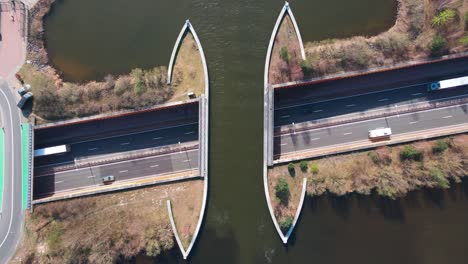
(203, 138)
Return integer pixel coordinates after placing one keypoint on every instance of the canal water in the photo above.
(88, 39)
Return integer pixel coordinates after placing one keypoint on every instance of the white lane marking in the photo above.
(351, 96)
(112, 164)
(384, 99)
(12, 168)
(122, 171)
(283, 144)
(413, 122)
(347, 133)
(90, 149)
(123, 144)
(92, 176)
(58, 182)
(416, 94)
(156, 138)
(154, 166)
(350, 105)
(286, 116)
(316, 111)
(188, 133)
(315, 139)
(449, 116)
(187, 160)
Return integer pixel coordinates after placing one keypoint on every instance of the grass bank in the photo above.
(109, 228)
(285, 62)
(423, 29)
(390, 171)
(55, 99)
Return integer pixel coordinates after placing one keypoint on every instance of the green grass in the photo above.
(24, 163)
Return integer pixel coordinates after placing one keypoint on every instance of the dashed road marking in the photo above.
(416, 94)
(156, 138)
(92, 149)
(449, 116)
(122, 171)
(413, 122)
(347, 133)
(283, 144)
(316, 111)
(187, 160)
(58, 182)
(315, 139)
(125, 143)
(350, 105)
(286, 116)
(92, 176)
(154, 166)
(188, 133)
(384, 99)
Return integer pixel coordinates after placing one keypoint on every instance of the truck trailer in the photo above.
(449, 83)
(51, 150)
(380, 133)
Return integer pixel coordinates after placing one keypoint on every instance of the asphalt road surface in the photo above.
(347, 133)
(122, 143)
(382, 100)
(371, 82)
(137, 168)
(11, 217)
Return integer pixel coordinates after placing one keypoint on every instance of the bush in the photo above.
(466, 20)
(138, 83)
(443, 18)
(282, 191)
(284, 54)
(410, 153)
(307, 68)
(291, 169)
(463, 41)
(314, 168)
(121, 85)
(439, 177)
(286, 224)
(438, 45)
(303, 165)
(440, 146)
(374, 157)
(54, 238)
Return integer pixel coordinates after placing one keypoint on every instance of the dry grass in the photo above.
(280, 70)
(282, 210)
(383, 171)
(409, 39)
(107, 228)
(188, 74)
(186, 211)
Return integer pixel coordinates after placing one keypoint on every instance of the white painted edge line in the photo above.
(298, 210)
(296, 28)
(185, 253)
(174, 51)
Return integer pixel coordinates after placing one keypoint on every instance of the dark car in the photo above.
(24, 99)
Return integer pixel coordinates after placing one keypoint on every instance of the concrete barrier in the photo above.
(203, 138)
(174, 51)
(285, 238)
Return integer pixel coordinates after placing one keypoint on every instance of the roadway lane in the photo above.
(347, 133)
(127, 170)
(382, 100)
(122, 143)
(11, 219)
(115, 126)
(371, 82)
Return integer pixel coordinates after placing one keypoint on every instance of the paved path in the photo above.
(12, 49)
(11, 219)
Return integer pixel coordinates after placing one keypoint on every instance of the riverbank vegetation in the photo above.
(55, 99)
(285, 61)
(423, 29)
(390, 171)
(111, 227)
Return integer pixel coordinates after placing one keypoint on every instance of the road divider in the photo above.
(26, 164)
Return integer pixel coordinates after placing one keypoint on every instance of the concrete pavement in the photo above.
(12, 216)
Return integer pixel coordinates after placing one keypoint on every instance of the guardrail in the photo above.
(27, 163)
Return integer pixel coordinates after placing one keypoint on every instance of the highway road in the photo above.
(11, 219)
(126, 170)
(347, 133)
(127, 142)
(381, 100)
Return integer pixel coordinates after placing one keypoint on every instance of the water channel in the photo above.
(87, 39)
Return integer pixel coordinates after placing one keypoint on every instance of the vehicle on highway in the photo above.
(380, 133)
(108, 179)
(51, 150)
(449, 83)
(24, 99)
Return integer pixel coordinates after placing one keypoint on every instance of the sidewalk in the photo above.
(12, 46)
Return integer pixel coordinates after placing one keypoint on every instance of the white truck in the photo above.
(51, 150)
(449, 83)
(380, 133)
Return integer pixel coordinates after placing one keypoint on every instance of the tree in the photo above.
(284, 54)
(291, 169)
(303, 165)
(410, 153)
(438, 45)
(282, 191)
(314, 168)
(443, 18)
(286, 223)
